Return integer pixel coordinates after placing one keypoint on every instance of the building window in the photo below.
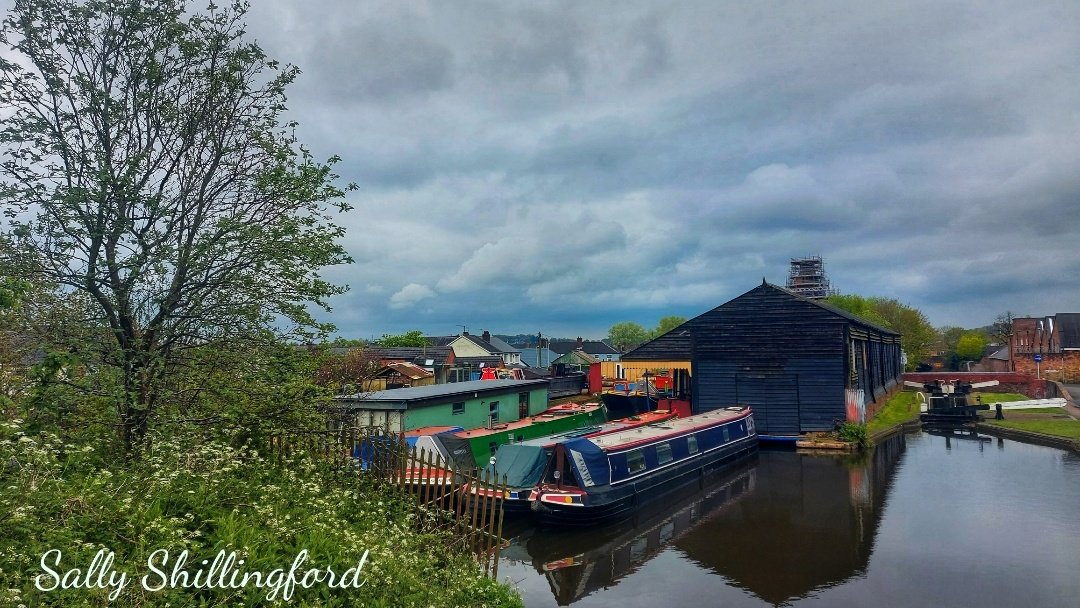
(459, 408)
(635, 461)
(691, 444)
(663, 453)
(493, 411)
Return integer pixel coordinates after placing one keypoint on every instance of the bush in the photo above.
(853, 432)
(205, 496)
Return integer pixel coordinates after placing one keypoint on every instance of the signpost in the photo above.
(1038, 359)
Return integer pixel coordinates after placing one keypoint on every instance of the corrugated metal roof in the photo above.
(435, 391)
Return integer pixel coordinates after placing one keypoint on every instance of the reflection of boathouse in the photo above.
(812, 526)
(780, 527)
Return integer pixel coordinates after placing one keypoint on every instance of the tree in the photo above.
(145, 144)
(1002, 328)
(858, 305)
(950, 336)
(410, 338)
(916, 333)
(626, 335)
(971, 346)
(667, 324)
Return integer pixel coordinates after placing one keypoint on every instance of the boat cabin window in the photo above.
(635, 461)
(663, 453)
(727, 436)
(691, 444)
(459, 408)
(493, 411)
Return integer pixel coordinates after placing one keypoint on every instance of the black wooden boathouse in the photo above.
(801, 364)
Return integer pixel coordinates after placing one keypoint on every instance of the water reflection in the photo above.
(576, 562)
(811, 526)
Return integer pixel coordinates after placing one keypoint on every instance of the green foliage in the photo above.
(1068, 428)
(949, 337)
(971, 346)
(853, 432)
(666, 324)
(413, 338)
(627, 335)
(916, 334)
(901, 407)
(202, 495)
(859, 306)
(149, 175)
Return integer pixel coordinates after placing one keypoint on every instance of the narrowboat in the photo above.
(482, 443)
(522, 464)
(589, 480)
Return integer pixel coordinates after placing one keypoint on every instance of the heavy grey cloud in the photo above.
(561, 166)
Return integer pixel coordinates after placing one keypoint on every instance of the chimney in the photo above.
(487, 336)
(580, 342)
(464, 333)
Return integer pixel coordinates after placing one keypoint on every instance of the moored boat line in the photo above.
(520, 465)
(589, 480)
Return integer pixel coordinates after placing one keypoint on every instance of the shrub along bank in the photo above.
(207, 497)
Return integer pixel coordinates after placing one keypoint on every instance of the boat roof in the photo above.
(432, 430)
(671, 427)
(612, 426)
(548, 414)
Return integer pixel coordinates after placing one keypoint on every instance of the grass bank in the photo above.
(904, 406)
(1069, 429)
(187, 494)
(1047, 421)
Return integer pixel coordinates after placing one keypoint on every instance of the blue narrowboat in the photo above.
(589, 480)
(521, 465)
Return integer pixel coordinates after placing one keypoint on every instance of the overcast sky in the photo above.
(562, 166)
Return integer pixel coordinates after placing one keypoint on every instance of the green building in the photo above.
(465, 404)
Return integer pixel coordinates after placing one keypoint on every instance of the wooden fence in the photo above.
(463, 506)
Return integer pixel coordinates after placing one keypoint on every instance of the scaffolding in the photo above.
(808, 279)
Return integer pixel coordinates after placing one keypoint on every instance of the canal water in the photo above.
(925, 520)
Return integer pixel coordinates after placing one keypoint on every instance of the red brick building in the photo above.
(1054, 339)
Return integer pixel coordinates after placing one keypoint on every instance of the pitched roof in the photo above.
(676, 344)
(528, 356)
(577, 356)
(1001, 354)
(1068, 326)
(502, 346)
(409, 370)
(416, 354)
(593, 347)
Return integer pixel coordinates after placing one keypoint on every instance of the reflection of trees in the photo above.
(809, 524)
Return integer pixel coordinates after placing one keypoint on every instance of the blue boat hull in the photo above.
(610, 503)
